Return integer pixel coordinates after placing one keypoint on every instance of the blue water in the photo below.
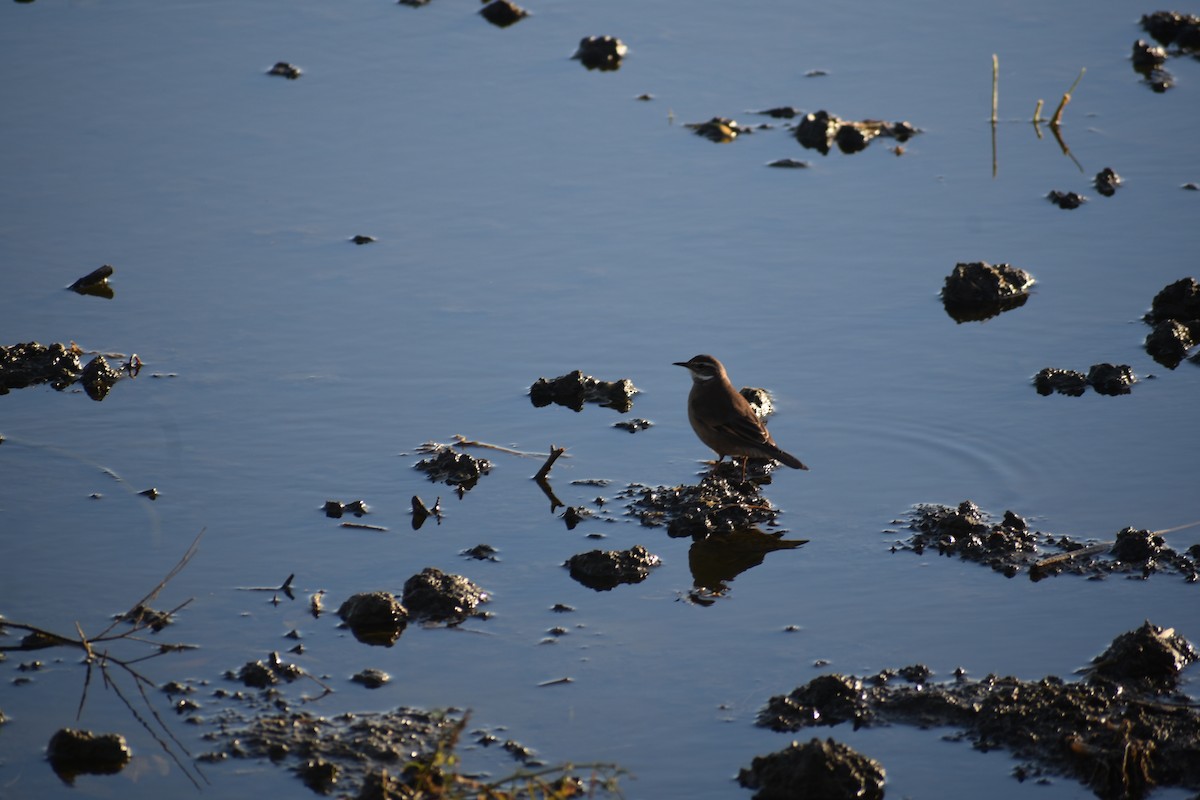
(533, 218)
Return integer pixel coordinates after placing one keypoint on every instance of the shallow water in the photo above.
(534, 218)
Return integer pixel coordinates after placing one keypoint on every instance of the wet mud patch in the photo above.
(1120, 731)
(74, 752)
(603, 53)
(1010, 546)
(721, 503)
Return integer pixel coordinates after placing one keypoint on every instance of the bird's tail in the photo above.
(789, 459)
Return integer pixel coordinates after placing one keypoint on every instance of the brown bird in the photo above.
(724, 420)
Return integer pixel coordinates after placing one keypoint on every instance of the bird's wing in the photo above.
(745, 428)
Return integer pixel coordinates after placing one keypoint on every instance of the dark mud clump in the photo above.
(1120, 731)
(434, 596)
(819, 769)
(72, 752)
(634, 425)
(31, 363)
(1066, 200)
(453, 468)
(718, 129)
(603, 53)
(98, 378)
(1178, 32)
(1010, 546)
(375, 618)
(371, 678)
(605, 569)
(820, 130)
(95, 283)
(1062, 381)
(978, 290)
(1107, 182)
(336, 509)
(285, 70)
(720, 504)
(574, 389)
(1109, 379)
(1175, 315)
(502, 13)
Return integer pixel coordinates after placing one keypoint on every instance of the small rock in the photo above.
(1111, 379)
(98, 378)
(376, 618)
(603, 570)
(1063, 381)
(438, 597)
(1107, 181)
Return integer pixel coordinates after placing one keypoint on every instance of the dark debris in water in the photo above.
(503, 13)
(718, 129)
(435, 596)
(603, 53)
(1107, 182)
(1120, 731)
(285, 70)
(1177, 33)
(452, 467)
(574, 389)
(821, 130)
(634, 425)
(720, 503)
(74, 752)
(1011, 546)
(828, 770)
(977, 290)
(1175, 315)
(606, 569)
(1109, 379)
(95, 283)
(1066, 200)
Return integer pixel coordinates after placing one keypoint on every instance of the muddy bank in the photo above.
(1120, 731)
(32, 363)
(1010, 546)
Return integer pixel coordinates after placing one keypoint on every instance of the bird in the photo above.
(724, 420)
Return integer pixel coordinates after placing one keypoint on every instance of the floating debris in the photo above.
(375, 618)
(434, 596)
(1175, 315)
(603, 570)
(978, 290)
(336, 509)
(718, 129)
(31, 363)
(1066, 200)
(788, 163)
(361, 239)
(481, 552)
(453, 468)
(819, 769)
(95, 283)
(1109, 379)
(98, 378)
(574, 389)
(371, 678)
(285, 70)
(634, 425)
(73, 752)
(601, 52)
(780, 112)
(820, 130)
(1107, 182)
(502, 13)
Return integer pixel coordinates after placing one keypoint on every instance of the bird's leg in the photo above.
(745, 461)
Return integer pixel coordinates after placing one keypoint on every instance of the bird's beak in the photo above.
(680, 363)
